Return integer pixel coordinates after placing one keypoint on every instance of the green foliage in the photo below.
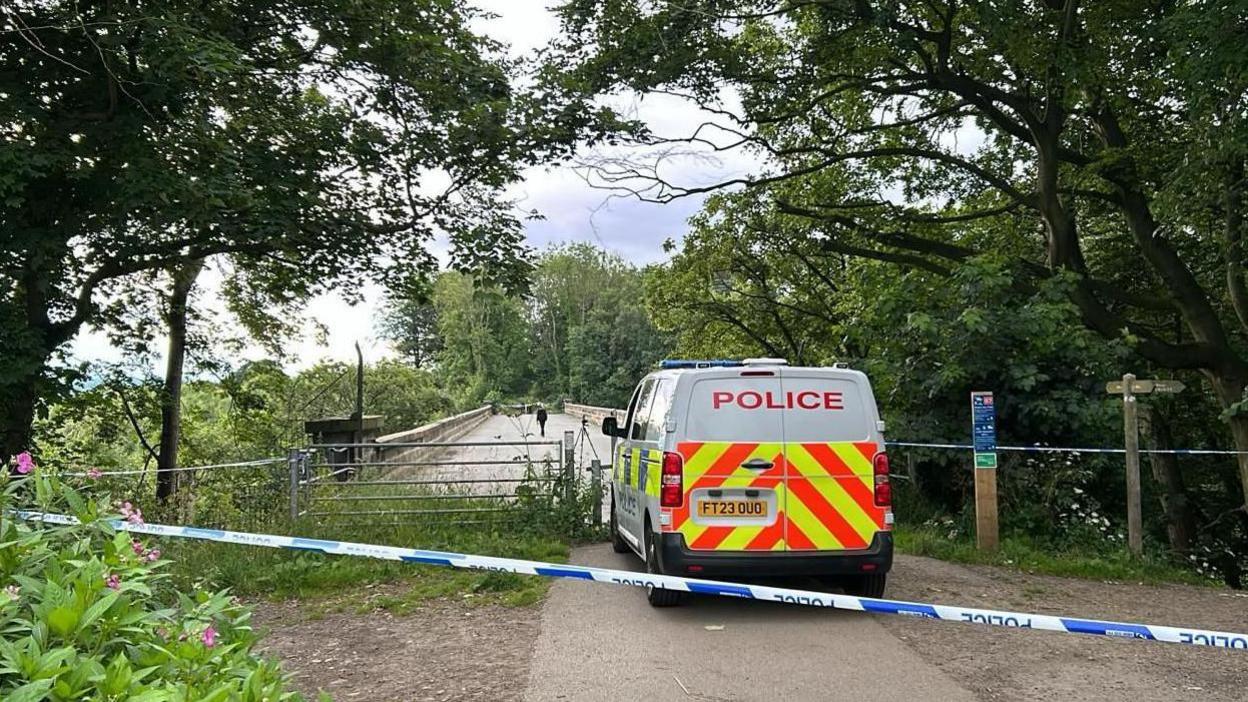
(591, 336)
(315, 145)
(255, 412)
(1030, 198)
(484, 346)
(411, 323)
(91, 613)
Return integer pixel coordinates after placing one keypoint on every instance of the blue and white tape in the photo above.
(1017, 620)
(1062, 449)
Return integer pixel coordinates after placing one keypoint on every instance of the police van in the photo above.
(753, 468)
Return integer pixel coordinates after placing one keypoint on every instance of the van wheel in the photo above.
(618, 544)
(657, 596)
(866, 585)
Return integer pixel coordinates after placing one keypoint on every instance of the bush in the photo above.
(87, 612)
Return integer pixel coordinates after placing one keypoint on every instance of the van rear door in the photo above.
(831, 441)
(734, 467)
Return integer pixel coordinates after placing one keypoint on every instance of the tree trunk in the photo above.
(171, 399)
(17, 413)
(1175, 503)
(1230, 390)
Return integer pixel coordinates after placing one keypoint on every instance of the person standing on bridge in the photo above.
(541, 418)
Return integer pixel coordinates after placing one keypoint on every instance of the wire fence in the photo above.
(1067, 449)
(244, 494)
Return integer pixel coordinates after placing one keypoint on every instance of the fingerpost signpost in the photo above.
(984, 437)
(1129, 387)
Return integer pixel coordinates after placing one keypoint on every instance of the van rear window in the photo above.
(730, 409)
(825, 410)
(796, 409)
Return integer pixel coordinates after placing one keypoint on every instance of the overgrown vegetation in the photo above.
(88, 612)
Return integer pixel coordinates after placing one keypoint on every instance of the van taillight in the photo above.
(672, 487)
(883, 490)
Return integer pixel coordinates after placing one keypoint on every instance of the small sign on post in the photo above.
(984, 438)
(1129, 387)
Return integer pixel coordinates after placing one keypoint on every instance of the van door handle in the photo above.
(757, 464)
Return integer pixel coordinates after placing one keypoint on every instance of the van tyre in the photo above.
(658, 597)
(866, 585)
(618, 544)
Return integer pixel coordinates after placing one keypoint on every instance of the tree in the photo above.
(485, 350)
(314, 143)
(1107, 139)
(412, 324)
(576, 294)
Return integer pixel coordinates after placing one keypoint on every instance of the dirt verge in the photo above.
(445, 649)
(1002, 664)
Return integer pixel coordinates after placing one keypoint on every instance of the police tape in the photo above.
(1061, 449)
(1015, 620)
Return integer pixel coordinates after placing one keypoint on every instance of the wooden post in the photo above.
(984, 436)
(987, 536)
(1131, 427)
(569, 466)
(1130, 387)
(294, 460)
(595, 468)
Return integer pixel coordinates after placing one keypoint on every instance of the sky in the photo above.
(572, 209)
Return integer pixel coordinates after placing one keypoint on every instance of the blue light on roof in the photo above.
(674, 363)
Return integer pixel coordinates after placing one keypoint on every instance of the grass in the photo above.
(537, 526)
(428, 583)
(1022, 553)
(340, 583)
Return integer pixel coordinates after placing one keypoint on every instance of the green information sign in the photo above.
(985, 460)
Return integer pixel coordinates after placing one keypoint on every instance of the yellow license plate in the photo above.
(732, 508)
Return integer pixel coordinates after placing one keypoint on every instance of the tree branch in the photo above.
(134, 422)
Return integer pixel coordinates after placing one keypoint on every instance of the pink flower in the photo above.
(94, 473)
(25, 463)
(138, 547)
(135, 517)
(209, 637)
(153, 555)
(113, 581)
(126, 509)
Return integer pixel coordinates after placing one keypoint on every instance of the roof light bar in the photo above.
(765, 362)
(674, 363)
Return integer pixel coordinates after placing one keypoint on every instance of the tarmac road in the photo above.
(606, 643)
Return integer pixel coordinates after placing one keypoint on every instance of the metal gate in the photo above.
(464, 482)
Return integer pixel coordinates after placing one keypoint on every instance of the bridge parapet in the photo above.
(441, 430)
(592, 413)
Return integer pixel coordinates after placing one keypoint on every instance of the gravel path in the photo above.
(1004, 664)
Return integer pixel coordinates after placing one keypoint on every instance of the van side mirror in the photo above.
(610, 426)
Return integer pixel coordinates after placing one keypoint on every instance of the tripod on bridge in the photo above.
(583, 439)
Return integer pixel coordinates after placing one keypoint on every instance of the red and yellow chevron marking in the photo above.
(823, 491)
(831, 500)
(718, 464)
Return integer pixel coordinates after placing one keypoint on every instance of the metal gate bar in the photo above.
(375, 487)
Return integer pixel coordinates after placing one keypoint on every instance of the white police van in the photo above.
(753, 468)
